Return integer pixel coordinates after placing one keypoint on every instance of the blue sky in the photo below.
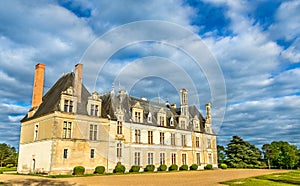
(255, 43)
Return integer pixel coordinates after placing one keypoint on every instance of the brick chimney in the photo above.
(78, 81)
(38, 85)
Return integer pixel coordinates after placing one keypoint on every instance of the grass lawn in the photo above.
(8, 169)
(277, 179)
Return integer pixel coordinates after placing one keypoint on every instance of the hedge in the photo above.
(162, 167)
(149, 168)
(135, 168)
(173, 167)
(194, 167)
(223, 166)
(208, 167)
(119, 168)
(184, 167)
(78, 170)
(99, 170)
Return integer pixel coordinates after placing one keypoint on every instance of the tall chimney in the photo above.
(38, 85)
(78, 81)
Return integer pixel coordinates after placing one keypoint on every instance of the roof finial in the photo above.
(113, 88)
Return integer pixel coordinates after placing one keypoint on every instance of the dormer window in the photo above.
(137, 117)
(161, 117)
(182, 124)
(172, 121)
(149, 118)
(68, 101)
(161, 121)
(94, 105)
(137, 113)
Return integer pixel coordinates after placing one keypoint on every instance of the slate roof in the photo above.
(50, 101)
(110, 104)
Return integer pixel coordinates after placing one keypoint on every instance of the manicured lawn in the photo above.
(8, 169)
(290, 178)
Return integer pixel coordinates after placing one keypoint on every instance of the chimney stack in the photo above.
(38, 85)
(78, 81)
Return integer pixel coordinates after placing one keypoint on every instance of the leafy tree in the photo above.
(221, 154)
(8, 155)
(242, 154)
(281, 154)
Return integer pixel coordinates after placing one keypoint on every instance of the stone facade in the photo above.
(66, 130)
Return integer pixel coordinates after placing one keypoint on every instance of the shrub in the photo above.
(135, 168)
(223, 166)
(194, 167)
(99, 170)
(208, 167)
(119, 168)
(173, 167)
(149, 168)
(78, 170)
(162, 167)
(184, 167)
(9, 165)
(1, 171)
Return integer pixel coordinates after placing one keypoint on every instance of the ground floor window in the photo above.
(137, 158)
(119, 150)
(183, 159)
(65, 155)
(150, 158)
(198, 158)
(209, 158)
(92, 153)
(173, 158)
(162, 158)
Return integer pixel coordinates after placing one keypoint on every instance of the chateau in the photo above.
(69, 126)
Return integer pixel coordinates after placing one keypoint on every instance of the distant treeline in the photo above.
(241, 154)
(8, 155)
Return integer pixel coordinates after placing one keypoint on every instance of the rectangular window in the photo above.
(183, 141)
(210, 158)
(68, 106)
(162, 158)
(182, 124)
(198, 158)
(137, 136)
(92, 153)
(65, 153)
(209, 143)
(93, 132)
(183, 159)
(197, 142)
(150, 137)
(173, 158)
(137, 117)
(119, 150)
(119, 127)
(161, 121)
(36, 130)
(162, 138)
(173, 139)
(150, 158)
(96, 110)
(92, 109)
(67, 129)
(137, 158)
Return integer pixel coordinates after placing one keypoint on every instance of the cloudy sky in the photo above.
(255, 46)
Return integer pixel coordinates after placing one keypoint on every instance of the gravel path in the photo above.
(174, 178)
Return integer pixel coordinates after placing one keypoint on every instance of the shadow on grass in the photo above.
(36, 182)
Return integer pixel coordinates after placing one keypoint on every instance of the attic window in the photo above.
(68, 105)
(172, 121)
(94, 110)
(149, 119)
(137, 117)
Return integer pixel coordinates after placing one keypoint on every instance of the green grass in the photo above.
(8, 169)
(276, 179)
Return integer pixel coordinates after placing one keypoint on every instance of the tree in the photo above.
(221, 154)
(8, 155)
(242, 154)
(281, 154)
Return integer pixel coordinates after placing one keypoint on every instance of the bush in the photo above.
(162, 167)
(184, 167)
(223, 166)
(208, 167)
(1, 171)
(173, 167)
(135, 168)
(149, 168)
(78, 170)
(119, 168)
(194, 167)
(99, 170)
(10, 165)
